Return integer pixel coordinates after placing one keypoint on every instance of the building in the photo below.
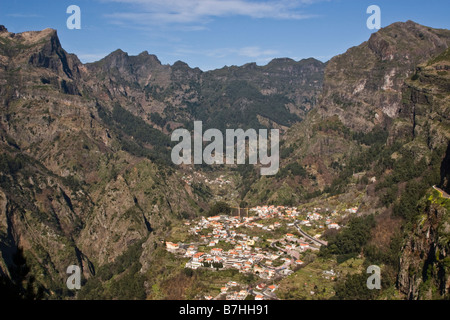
(216, 251)
(198, 256)
(304, 246)
(172, 246)
(272, 288)
(190, 251)
(261, 286)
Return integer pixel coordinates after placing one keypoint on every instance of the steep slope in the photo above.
(165, 96)
(363, 109)
(85, 151)
(425, 262)
(425, 265)
(71, 193)
(381, 128)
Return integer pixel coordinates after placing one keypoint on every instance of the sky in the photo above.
(211, 34)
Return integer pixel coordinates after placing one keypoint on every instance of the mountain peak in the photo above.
(407, 38)
(181, 64)
(118, 52)
(149, 58)
(281, 61)
(41, 49)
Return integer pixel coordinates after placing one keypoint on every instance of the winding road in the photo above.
(307, 236)
(442, 192)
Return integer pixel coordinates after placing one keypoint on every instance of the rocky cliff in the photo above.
(368, 99)
(166, 96)
(71, 193)
(425, 262)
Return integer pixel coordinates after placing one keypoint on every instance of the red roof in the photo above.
(198, 254)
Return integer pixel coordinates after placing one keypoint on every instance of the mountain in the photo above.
(364, 103)
(379, 137)
(165, 96)
(70, 192)
(86, 177)
(428, 112)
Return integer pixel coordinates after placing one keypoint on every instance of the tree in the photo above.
(219, 208)
(354, 287)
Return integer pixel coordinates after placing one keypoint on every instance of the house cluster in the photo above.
(230, 292)
(283, 212)
(224, 244)
(329, 274)
(219, 181)
(243, 253)
(315, 217)
(234, 291)
(242, 257)
(189, 179)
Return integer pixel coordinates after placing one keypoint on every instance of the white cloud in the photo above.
(151, 12)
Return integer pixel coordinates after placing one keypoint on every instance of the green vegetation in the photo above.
(445, 56)
(219, 107)
(333, 124)
(349, 242)
(354, 287)
(292, 170)
(128, 125)
(376, 136)
(157, 119)
(286, 151)
(10, 164)
(219, 208)
(120, 279)
(23, 285)
(376, 157)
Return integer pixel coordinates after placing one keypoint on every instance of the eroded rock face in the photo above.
(68, 193)
(364, 85)
(424, 262)
(368, 88)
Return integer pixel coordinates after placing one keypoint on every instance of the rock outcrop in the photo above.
(425, 262)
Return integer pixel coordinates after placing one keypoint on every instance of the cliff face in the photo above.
(70, 193)
(279, 93)
(445, 171)
(425, 261)
(369, 98)
(364, 85)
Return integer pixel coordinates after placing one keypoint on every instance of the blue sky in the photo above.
(210, 34)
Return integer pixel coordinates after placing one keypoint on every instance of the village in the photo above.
(266, 241)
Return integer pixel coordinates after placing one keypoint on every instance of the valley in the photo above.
(87, 179)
